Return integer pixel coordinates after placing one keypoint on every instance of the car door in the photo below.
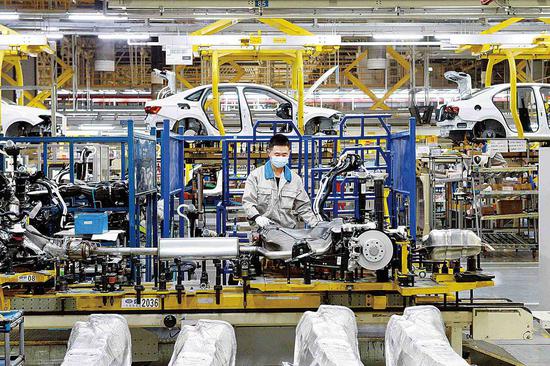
(544, 110)
(528, 110)
(230, 110)
(262, 105)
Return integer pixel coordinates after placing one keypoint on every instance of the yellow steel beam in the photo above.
(179, 75)
(240, 72)
(522, 72)
(514, 92)
(216, 93)
(401, 61)
(61, 80)
(494, 29)
(7, 66)
(215, 27)
(19, 79)
(300, 89)
(491, 62)
(355, 80)
(1, 129)
(285, 26)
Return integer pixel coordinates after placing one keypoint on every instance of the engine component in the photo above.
(278, 242)
(101, 195)
(451, 244)
(372, 250)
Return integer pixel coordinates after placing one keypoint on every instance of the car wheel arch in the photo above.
(314, 122)
(489, 124)
(192, 122)
(15, 127)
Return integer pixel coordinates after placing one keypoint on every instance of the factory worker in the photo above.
(274, 194)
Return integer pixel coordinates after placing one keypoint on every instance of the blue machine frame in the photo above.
(131, 147)
(395, 154)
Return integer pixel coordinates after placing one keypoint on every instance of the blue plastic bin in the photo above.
(91, 223)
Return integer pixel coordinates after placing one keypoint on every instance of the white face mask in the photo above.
(279, 161)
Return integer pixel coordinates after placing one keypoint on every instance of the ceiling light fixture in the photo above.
(124, 36)
(54, 35)
(9, 16)
(95, 17)
(397, 36)
(50, 29)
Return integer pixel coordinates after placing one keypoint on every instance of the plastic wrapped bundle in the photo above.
(103, 340)
(327, 337)
(418, 339)
(208, 343)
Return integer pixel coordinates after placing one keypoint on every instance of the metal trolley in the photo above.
(9, 320)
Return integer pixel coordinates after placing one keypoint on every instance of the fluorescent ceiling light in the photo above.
(124, 36)
(397, 36)
(9, 16)
(95, 17)
(210, 18)
(50, 29)
(54, 35)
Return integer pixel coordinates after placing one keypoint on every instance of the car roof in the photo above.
(522, 84)
(221, 85)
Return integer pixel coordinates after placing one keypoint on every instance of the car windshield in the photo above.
(7, 101)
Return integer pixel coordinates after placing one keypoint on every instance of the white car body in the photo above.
(21, 120)
(189, 107)
(487, 114)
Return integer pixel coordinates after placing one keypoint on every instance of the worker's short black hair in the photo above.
(279, 140)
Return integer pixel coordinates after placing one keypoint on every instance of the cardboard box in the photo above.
(509, 206)
(488, 210)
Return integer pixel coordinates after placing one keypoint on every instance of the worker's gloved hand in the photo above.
(262, 221)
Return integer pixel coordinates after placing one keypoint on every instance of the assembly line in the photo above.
(266, 183)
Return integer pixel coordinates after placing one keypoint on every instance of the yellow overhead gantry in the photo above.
(296, 45)
(536, 49)
(19, 48)
(379, 103)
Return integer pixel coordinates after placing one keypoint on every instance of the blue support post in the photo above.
(45, 158)
(71, 162)
(149, 232)
(411, 180)
(181, 158)
(132, 188)
(225, 172)
(306, 162)
(122, 160)
(165, 177)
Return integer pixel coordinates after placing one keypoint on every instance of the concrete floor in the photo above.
(517, 281)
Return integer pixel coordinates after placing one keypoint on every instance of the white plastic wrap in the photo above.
(103, 340)
(327, 337)
(418, 339)
(208, 343)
